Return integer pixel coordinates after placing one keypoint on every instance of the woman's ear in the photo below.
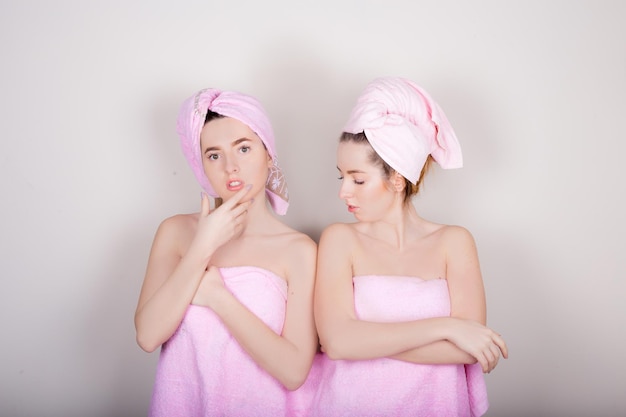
(398, 181)
(270, 161)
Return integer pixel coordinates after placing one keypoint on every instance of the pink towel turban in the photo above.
(238, 106)
(404, 125)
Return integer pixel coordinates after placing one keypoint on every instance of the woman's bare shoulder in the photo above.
(339, 237)
(295, 240)
(284, 242)
(340, 230)
(455, 232)
(291, 253)
(455, 237)
(179, 222)
(178, 229)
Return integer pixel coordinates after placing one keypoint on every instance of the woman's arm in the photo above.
(287, 356)
(437, 353)
(172, 278)
(467, 301)
(168, 287)
(342, 335)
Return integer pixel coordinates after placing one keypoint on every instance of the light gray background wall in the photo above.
(90, 165)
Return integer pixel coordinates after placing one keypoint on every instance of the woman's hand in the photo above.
(217, 227)
(479, 341)
(210, 288)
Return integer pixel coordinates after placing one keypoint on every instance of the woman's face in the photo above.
(233, 156)
(364, 188)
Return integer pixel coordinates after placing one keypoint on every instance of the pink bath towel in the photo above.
(203, 371)
(387, 387)
(404, 125)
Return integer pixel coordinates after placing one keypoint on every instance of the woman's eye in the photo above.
(213, 156)
(359, 182)
(340, 178)
(245, 149)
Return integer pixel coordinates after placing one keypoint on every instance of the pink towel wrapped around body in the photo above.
(203, 371)
(388, 387)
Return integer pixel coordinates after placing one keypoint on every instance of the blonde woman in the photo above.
(399, 301)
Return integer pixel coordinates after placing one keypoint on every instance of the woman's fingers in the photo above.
(493, 351)
(493, 355)
(484, 363)
(237, 197)
(498, 340)
(205, 206)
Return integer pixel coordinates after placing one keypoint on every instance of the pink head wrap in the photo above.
(404, 125)
(238, 106)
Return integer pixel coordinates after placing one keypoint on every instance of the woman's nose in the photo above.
(345, 190)
(231, 166)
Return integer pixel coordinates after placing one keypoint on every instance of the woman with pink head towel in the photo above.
(228, 292)
(399, 300)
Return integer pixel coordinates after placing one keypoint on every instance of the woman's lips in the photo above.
(234, 185)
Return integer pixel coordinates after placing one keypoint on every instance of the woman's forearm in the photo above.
(279, 356)
(437, 353)
(159, 316)
(356, 339)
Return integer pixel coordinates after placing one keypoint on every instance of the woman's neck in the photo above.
(398, 227)
(259, 219)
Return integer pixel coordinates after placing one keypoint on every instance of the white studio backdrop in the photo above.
(90, 165)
